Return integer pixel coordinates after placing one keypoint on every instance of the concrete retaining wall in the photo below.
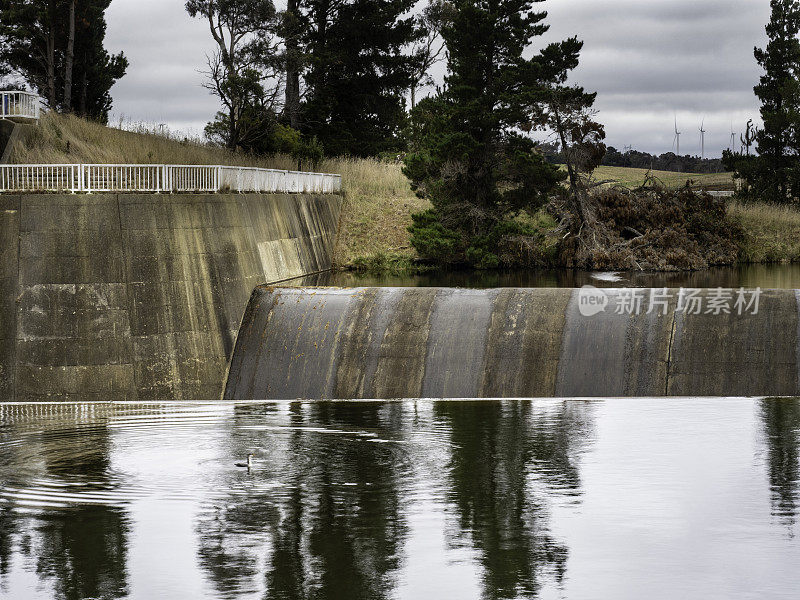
(437, 342)
(139, 297)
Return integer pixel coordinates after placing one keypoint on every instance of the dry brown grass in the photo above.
(69, 139)
(772, 233)
(377, 210)
(378, 199)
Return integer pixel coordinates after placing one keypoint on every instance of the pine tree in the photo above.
(95, 70)
(776, 176)
(29, 29)
(39, 37)
(473, 162)
(358, 73)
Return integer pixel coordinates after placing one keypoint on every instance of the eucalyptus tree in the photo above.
(567, 110)
(242, 70)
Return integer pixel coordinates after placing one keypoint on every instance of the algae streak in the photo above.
(456, 343)
(139, 297)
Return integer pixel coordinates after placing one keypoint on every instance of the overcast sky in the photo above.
(648, 60)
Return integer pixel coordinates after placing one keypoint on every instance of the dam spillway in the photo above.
(138, 297)
(461, 343)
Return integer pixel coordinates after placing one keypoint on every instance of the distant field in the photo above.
(634, 177)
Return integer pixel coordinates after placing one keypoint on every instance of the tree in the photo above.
(774, 175)
(429, 48)
(473, 161)
(43, 39)
(29, 29)
(292, 26)
(244, 60)
(95, 71)
(357, 73)
(567, 110)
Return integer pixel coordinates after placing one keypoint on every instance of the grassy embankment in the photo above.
(379, 201)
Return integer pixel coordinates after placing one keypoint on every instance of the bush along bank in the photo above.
(651, 229)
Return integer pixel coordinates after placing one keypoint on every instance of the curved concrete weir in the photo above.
(457, 343)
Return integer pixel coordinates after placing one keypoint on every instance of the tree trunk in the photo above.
(233, 128)
(84, 90)
(292, 107)
(51, 63)
(69, 59)
(323, 11)
(577, 199)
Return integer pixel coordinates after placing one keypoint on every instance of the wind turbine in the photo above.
(677, 138)
(702, 139)
(733, 139)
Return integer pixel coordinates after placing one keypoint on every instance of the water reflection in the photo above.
(500, 451)
(78, 548)
(325, 489)
(781, 419)
(410, 499)
(748, 276)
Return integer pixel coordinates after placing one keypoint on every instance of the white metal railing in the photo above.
(19, 105)
(162, 178)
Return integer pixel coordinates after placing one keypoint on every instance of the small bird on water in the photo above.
(248, 464)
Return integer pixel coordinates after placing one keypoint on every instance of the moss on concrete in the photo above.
(139, 297)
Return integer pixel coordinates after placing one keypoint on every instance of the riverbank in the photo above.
(374, 237)
(378, 205)
(378, 200)
(772, 233)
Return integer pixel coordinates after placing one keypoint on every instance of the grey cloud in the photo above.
(649, 60)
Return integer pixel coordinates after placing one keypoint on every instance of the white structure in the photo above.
(162, 178)
(702, 139)
(19, 106)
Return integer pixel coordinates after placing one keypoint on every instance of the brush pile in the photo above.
(650, 228)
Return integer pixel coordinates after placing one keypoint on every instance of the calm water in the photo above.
(748, 276)
(410, 499)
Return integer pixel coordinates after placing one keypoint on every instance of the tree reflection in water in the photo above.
(335, 528)
(498, 450)
(81, 548)
(337, 524)
(781, 417)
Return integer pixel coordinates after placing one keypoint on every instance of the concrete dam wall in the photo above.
(139, 297)
(458, 343)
